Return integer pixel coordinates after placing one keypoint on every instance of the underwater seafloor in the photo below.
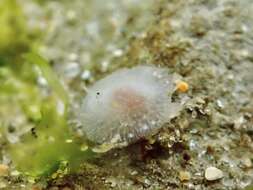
(208, 42)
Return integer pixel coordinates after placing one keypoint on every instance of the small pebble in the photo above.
(184, 176)
(72, 69)
(86, 75)
(111, 181)
(4, 170)
(134, 172)
(247, 163)
(118, 52)
(213, 173)
(147, 182)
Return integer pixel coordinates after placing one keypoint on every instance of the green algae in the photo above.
(49, 75)
(14, 36)
(46, 140)
(50, 141)
(47, 146)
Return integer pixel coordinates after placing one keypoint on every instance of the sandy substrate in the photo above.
(209, 43)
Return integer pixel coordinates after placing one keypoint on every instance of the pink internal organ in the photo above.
(128, 101)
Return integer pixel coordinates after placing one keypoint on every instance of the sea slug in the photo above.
(128, 105)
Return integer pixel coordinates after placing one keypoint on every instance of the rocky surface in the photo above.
(209, 43)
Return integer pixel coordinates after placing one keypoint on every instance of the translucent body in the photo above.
(128, 105)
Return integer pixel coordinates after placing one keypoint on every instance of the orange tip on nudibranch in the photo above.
(182, 86)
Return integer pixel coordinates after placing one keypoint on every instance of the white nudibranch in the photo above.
(128, 105)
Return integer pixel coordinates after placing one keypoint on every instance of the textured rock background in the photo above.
(209, 43)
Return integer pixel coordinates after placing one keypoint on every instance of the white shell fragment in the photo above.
(213, 173)
(128, 105)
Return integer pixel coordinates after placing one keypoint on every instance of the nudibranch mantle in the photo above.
(128, 105)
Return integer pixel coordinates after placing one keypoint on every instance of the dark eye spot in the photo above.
(98, 93)
(33, 131)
